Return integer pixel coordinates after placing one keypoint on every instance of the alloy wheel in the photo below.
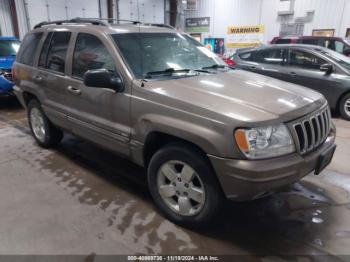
(347, 107)
(181, 188)
(37, 123)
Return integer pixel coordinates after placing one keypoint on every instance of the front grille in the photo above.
(311, 131)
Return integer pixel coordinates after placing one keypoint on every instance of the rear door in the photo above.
(51, 75)
(100, 115)
(271, 62)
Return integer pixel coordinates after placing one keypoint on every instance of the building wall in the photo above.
(50, 10)
(146, 11)
(332, 14)
(32, 12)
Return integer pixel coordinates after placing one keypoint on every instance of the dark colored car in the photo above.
(8, 50)
(319, 68)
(338, 44)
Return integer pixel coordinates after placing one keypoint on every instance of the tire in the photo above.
(175, 155)
(48, 135)
(344, 107)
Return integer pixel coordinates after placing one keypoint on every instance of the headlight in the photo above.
(265, 142)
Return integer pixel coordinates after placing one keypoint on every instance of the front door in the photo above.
(304, 69)
(100, 115)
(51, 74)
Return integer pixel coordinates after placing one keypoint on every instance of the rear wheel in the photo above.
(344, 107)
(183, 185)
(45, 133)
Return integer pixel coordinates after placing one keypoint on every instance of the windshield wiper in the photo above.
(215, 66)
(168, 71)
(171, 71)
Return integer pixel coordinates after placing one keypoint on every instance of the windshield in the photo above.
(147, 53)
(9, 47)
(341, 59)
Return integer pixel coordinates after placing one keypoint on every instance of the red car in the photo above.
(338, 44)
(228, 61)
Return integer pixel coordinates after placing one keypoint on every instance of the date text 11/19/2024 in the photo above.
(173, 258)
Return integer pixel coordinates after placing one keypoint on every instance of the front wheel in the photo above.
(344, 107)
(183, 185)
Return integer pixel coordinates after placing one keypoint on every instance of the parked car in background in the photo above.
(228, 61)
(8, 50)
(319, 68)
(338, 44)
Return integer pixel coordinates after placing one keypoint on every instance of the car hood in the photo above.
(240, 95)
(6, 62)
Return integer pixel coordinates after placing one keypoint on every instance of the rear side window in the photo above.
(335, 45)
(90, 53)
(56, 54)
(312, 42)
(43, 54)
(28, 48)
(305, 60)
(271, 56)
(246, 56)
(339, 46)
(283, 41)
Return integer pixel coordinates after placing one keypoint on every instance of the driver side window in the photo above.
(90, 53)
(305, 60)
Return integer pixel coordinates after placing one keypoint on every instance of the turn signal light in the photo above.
(241, 140)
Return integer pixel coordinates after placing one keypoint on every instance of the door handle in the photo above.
(293, 74)
(253, 67)
(74, 90)
(37, 78)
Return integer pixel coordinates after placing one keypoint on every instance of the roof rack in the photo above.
(72, 21)
(98, 21)
(161, 25)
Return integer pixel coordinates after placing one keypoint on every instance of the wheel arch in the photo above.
(347, 92)
(28, 96)
(157, 139)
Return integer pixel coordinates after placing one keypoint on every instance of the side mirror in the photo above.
(102, 78)
(327, 68)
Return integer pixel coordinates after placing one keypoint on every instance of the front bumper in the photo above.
(251, 179)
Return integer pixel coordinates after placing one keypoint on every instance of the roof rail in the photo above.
(161, 25)
(97, 21)
(111, 20)
(72, 21)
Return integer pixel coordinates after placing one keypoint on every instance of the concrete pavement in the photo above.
(80, 199)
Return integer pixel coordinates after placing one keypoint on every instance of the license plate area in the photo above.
(324, 159)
